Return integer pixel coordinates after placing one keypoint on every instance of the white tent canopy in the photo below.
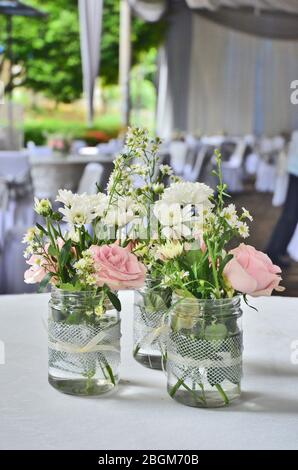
(214, 78)
(226, 65)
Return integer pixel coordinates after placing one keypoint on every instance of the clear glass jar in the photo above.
(84, 344)
(204, 351)
(151, 305)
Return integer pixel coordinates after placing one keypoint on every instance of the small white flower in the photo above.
(246, 214)
(32, 232)
(243, 229)
(230, 215)
(166, 170)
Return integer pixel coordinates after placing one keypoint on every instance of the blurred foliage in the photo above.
(49, 49)
(38, 130)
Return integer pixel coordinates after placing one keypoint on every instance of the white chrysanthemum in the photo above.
(42, 207)
(169, 250)
(78, 214)
(98, 203)
(123, 212)
(243, 229)
(65, 197)
(187, 193)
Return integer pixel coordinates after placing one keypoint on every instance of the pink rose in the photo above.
(252, 272)
(41, 266)
(36, 272)
(117, 267)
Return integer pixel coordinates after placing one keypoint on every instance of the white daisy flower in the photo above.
(243, 229)
(230, 215)
(174, 219)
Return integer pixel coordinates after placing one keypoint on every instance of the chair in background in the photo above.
(15, 170)
(232, 167)
(282, 176)
(195, 174)
(266, 171)
(178, 151)
(91, 177)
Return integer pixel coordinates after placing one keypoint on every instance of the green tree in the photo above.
(48, 50)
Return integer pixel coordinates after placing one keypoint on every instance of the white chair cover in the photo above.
(92, 175)
(293, 246)
(251, 163)
(178, 152)
(232, 170)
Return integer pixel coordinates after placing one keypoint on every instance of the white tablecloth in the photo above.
(140, 415)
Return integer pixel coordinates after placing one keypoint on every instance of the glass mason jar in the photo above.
(204, 351)
(84, 343)
(151, 305)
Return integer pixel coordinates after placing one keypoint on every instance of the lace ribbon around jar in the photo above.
(217, 359)
(150, 329)
(78, 347)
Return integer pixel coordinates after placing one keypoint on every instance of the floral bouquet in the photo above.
(138, 181)
(71, 252)
(192, 251)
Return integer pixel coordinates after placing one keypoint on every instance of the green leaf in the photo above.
(70, 287)
(224, 263)
(42, 229)
(114, 300)
(193, 256)
(53, 251)
(45, 282)
(65, 253)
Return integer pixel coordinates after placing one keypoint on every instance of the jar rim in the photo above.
(192, 300)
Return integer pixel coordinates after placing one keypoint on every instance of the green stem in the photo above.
(176, 387)
(223, 394)
(214, 270)
(110, 372)
(136, 350)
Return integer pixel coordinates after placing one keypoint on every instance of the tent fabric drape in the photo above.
(290, 6)
(90, 12)
(221, 80)
(240, 84)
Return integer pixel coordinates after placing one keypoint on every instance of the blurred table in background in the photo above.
(49, 174)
